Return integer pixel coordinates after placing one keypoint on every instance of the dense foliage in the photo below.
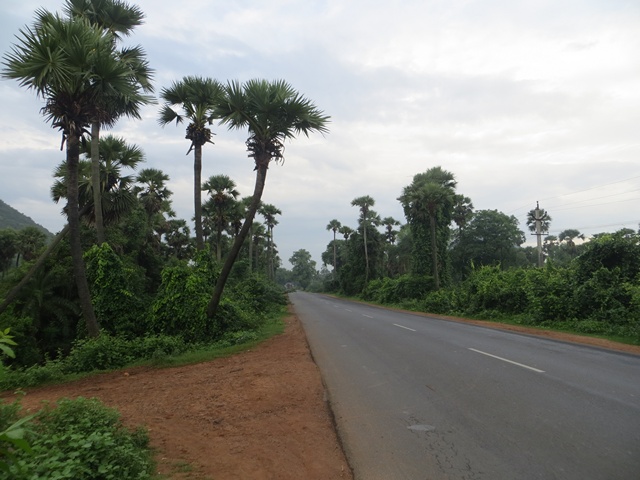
(78, 439)
(449, 259)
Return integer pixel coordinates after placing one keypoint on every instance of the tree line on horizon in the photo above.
(451, 259)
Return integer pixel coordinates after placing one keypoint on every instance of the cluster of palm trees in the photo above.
(74, 63)
(421, 246)
(368, 237)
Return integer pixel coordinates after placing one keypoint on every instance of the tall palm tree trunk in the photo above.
(73, 214)
(197, 194)
(219, 245)
(434, 251)
(272, 271)
(261, 177)
(95, 182)
(250, 247)
(334, 254)
(366, 252)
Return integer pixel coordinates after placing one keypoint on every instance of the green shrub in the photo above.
(103, 353)
(83, 439)
(181, 302)
(230, 339)
(258, 294)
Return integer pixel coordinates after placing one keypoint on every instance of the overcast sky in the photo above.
(522, 100)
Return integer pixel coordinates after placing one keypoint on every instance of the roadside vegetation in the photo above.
(125, 283)
(452, 260)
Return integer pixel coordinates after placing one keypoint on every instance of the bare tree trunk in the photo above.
(73, 215)
(261, 177)
(95, 181)
(197, 194)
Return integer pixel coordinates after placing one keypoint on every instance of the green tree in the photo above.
(462, 210)
(569, 236)
(429, 200)
(30, 241)
(152, 190)
(345, 231)
(117, 18)
(115, 188)
(273, 112)
(364, 203)
(193, 99)
(70, 63)
(490, 238)
(8, 248)
(304, 267)
(390, 235)
(220, 205)
(269, 213)
(334, 226)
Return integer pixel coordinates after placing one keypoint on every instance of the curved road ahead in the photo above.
(423, 398)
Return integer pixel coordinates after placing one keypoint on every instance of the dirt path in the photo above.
(258, 415)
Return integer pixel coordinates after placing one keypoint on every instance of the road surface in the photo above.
(424, 398)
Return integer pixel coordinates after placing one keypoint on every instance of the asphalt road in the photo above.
(424, 398)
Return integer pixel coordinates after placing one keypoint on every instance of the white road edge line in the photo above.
(508, 361)
(406, 328)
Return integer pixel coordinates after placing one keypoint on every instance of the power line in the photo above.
(579, 191)
(596, 198)
(592, 188)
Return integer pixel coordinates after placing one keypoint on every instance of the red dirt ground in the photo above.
(259, 415)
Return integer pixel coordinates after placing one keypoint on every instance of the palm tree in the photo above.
(117, 18)
(462, 211)
(389, 233)
(334, 226)
(30, 240)
(429, 198)
(69, 63)
(269, 213)
(345, 231)
(568, 236)
(364, 203)
(197, 98)
(115, 188)
(273, 112)
(223, 194)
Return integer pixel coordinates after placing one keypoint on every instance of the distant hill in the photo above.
(12, 218)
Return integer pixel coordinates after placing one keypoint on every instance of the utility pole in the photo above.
(538, 218)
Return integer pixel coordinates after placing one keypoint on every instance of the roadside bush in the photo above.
(117, 294)
(82, 439)
(550, 293)
(181, 303)
(259, 294)
(413, 287)
(398, 290)
(102, 353)
(380, 290)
